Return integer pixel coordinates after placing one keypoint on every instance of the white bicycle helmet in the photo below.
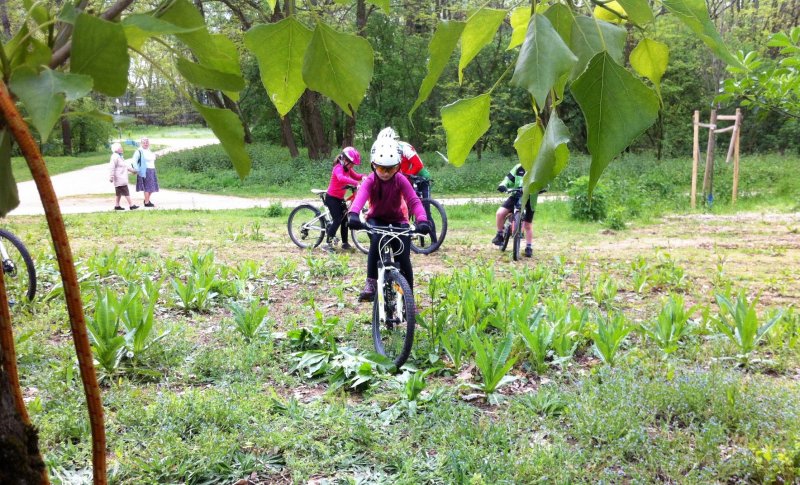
(385, 152)
(388, 132)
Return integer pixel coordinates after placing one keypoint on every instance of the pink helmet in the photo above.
(352, 155)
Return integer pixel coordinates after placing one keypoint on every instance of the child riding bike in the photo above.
(513, 180)
(385, 194)
(342, 176)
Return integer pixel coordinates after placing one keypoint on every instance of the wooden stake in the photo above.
(695, 155)
(708, 176)
(736, 134)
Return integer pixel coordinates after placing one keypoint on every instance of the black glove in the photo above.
(502, 188)
(424, 227)
(354, 221)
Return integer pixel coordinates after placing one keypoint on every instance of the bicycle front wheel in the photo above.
(517, 235)
(394, 335)
(306, 226)
(20, 274)
(426, 244)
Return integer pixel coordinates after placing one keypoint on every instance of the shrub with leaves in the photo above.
(611, 332)
(537, 335)
(671, 325)
(250, 321)
(582, 207)
(493, 364)
(740, 323)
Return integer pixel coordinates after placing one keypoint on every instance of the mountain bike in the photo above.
(437, 217)
(512, 227)
(393, 310)
(18, 269)
(308, 224)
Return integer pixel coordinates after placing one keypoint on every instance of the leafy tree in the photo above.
(62, 52)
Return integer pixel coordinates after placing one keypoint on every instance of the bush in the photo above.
(581, 207)
(616, 218)
(275, 210)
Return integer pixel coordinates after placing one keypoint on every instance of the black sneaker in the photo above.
(528, 252)
(498, 240)
(118, 208)
(149, 204)
(366, 295)
(346, 246)
(134, 207)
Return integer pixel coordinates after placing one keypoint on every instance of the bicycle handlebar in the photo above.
(390, 230)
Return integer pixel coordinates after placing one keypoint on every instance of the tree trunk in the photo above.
(21, 461)
(287, 136)
(313, 128)
(66, 135)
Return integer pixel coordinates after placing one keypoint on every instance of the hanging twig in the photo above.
(69, 278)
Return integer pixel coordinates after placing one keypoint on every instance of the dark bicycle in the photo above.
(512, 227)
(437, 217)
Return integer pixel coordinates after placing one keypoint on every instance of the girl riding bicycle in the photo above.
(385, 193)
(513, 180)
(342, 176)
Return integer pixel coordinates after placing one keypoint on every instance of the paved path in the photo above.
(87, 190)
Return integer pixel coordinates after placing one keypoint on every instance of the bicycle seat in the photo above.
(318, 191)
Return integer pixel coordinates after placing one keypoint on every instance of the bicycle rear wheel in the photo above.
(360, 239)
(507, 231)
(426, 244)
(18, 268)
(394, 337)
(306, 227)
(517, 235)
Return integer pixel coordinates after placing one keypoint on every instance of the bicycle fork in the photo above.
(8, 265)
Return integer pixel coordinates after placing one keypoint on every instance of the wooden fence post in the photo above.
(708, 176)
(736, 133)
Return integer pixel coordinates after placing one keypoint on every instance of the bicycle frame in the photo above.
(324, 216)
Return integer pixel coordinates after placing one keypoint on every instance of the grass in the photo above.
(57, 165)
(219, 407)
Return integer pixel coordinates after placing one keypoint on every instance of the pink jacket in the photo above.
(119, 170)
(340, 178)
(385, 197)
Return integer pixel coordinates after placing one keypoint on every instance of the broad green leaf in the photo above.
(95, 113)
(527, 143)
(24, 50)
(617, 107)
(543, 59)
(9, 197)
(68, 13)
(562, 19)
(520, 17)
(694, 14)
(99, 49)
(228, 128)
(638, 11)
(481, 27)
(140, 27)
(442, 44)
(37, 10)
(271, 4)
(551, 158)
(45, 94)
(464, 122)
(650, 59)
(590, 36)
(339, 66)
(279, 49)
(209, 78)
(213, 51)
